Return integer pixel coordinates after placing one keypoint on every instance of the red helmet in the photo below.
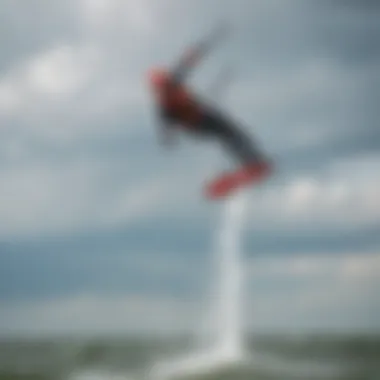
(158, 77)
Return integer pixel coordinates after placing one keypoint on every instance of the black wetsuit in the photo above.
(232, 137)
(196, 117)
(213, 124)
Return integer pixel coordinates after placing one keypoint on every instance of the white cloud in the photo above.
(51, 95)
(63, 70)
(67, 95)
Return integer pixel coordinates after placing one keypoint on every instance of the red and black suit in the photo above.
(177, 107)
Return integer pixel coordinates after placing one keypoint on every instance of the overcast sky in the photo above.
(102, 230)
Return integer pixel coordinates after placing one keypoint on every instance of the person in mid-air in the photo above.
(177, 107)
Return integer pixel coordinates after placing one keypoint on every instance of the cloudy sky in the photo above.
(102, 230)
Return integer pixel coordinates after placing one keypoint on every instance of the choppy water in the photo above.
(269, 358)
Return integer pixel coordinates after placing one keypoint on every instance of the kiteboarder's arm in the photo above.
(195, 54)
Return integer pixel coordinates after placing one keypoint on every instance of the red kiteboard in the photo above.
(227, 183)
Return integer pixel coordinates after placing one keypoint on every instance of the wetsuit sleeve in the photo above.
(196, 53)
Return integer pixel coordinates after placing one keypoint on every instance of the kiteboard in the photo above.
(227, 183)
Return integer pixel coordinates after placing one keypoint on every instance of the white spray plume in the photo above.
(229, 336)
(223, 345)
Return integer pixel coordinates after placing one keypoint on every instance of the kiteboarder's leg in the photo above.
(253, 166)
(233, 138)
(238, 144)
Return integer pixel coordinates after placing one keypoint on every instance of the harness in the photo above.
(181, 106)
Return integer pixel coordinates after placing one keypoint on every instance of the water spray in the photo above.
(226, 345)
